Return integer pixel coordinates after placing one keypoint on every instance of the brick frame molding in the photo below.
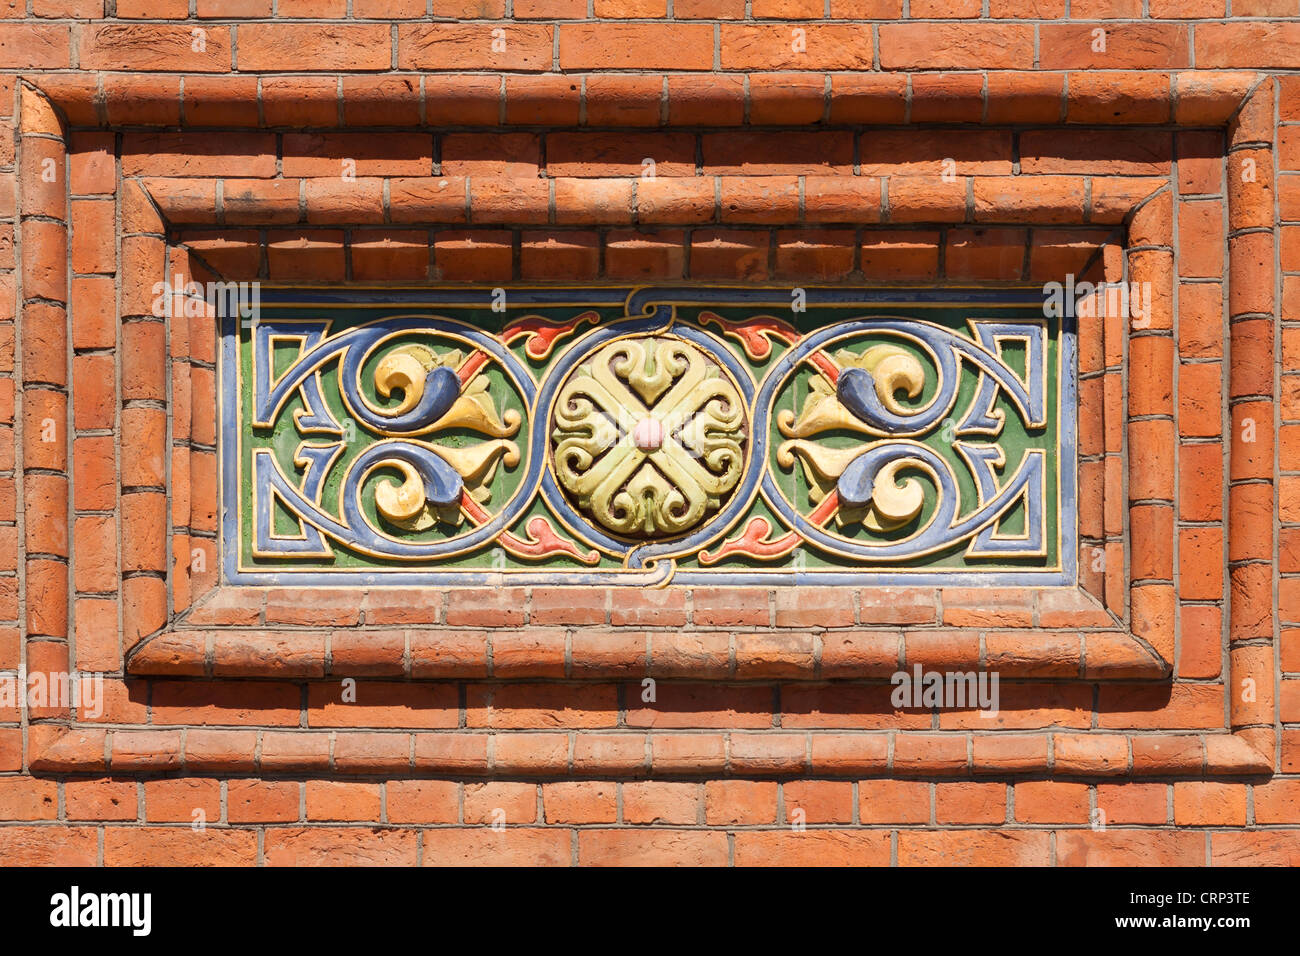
(228, 635)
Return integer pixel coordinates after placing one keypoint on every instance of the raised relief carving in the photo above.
(648, 436)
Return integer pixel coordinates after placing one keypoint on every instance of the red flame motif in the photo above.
(543, 333)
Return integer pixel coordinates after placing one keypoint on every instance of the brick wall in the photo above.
(1152, 715)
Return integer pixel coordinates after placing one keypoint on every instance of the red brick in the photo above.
(973, 847)
(580, 801)
(339, 846)
(332, 800)
(467, 46)
(266, 46)
(956, 46)
(262, 801)
(812, 848)
(643, 46)
(423, 801)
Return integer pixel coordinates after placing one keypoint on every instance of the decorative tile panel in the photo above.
(606, 436)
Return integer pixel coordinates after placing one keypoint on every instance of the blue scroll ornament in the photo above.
(856, 485)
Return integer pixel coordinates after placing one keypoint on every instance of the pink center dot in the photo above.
(648, 434)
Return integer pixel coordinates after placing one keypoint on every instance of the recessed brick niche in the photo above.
(1121, 683)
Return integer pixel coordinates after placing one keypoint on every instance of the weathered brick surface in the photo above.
(789, 142)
